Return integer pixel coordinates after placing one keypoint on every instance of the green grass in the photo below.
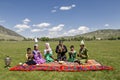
(106, 52)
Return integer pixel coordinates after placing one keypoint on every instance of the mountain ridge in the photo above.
(102, 34)
(7, 34)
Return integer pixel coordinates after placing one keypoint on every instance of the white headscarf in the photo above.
(49, 49)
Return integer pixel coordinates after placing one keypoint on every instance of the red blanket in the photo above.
(67, 66)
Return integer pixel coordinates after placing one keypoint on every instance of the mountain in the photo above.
(7, 34)
(98, 34)
(102, 34)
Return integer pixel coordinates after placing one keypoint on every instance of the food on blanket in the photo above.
(37, 64)
(20, 63)
(61, 62)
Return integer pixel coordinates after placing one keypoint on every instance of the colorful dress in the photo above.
(48, 55)
(38, 57)
(72, 56)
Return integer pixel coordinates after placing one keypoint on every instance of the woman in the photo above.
(48, 53)
(37, 55)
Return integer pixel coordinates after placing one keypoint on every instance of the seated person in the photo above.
(37, 55)
(48, 53)
(30, 58)
(61, 51)
(82, 56)
(72, 54)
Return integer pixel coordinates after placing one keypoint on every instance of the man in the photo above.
(61, 50)
(83, 56)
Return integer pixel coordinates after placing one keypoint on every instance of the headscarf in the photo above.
(49, 49)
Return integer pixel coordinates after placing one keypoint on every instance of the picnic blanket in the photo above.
(91, 65)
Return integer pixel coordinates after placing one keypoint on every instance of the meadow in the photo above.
(105, 52)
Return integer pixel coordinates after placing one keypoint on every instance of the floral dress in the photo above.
(38, 57)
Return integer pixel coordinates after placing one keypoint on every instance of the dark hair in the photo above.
(72, 46)
(60, 41)
(28, 49)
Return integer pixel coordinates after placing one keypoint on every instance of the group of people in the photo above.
(35, 57)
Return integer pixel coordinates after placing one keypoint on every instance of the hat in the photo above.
(82, 43)
(36, 45)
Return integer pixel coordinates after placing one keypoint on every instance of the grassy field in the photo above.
(106, 52)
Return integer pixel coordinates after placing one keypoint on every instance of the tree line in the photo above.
(72, 39)
(65, 39)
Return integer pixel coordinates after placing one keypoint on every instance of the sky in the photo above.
(56, 18)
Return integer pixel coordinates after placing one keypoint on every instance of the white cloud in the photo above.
(21, 27)
(54, 34)
(35, 30)
(57, 31)
(83, 29)
(53, 11)
(38, 30)
(73, 5)
(26, 21)
(67, 7)
(106, 25)
(80, 30)
(63, 8)
(42, 25)
(71, 32)
(57, 28)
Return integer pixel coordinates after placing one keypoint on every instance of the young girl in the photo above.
(72, 54)
(30, 57)
(37, 55)
(48, 53)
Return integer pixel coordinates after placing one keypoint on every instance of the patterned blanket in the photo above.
(91, 65)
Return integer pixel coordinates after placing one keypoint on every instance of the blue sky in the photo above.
(55, 18)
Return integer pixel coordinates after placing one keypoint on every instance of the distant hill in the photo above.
(99, 34)
(103, 34)
(7, 34)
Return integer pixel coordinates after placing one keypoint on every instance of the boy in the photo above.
(72, 54)
(30, 57)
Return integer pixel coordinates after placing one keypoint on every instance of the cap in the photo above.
(35, 44)
(82, 43)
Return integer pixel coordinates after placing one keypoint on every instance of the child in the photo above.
(37, 55)
(83, 56)
(72, 54)
(48, 53)
(30, 57)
